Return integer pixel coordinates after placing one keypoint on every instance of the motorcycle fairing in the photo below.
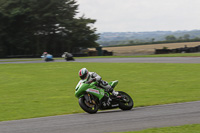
(82, 87)
(113, 83)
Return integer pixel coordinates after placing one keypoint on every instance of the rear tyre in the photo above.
(87, 107)
(126, 103)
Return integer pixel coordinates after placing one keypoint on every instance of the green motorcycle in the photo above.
(92, 97)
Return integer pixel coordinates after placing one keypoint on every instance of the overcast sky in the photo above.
(142, 15)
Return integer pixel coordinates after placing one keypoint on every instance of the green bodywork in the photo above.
(83, 87)
(113, 83)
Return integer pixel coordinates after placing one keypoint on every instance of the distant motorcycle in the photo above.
(47, 57)
(92, 98)
(68, 56)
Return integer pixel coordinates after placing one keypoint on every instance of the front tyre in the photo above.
(126, 102)
(87, 107)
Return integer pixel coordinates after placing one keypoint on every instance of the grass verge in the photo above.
(46, 89)
(193, 128)
(154, 55)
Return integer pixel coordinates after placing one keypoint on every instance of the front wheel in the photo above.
(126, 102)
(87, 107)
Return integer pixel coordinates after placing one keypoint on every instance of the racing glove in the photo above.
(92, 80)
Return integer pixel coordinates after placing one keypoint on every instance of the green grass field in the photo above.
(47, 89)
(194, 128)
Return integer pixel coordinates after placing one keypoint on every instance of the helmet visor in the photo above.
(83, 76)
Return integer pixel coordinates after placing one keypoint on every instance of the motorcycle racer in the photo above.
(90, 77)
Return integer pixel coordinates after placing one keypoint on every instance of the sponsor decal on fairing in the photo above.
(92, 90)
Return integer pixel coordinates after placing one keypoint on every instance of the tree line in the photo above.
(168, 39)
(30, 27)
(173, 38)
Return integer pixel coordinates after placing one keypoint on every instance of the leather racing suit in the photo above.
(103, 84)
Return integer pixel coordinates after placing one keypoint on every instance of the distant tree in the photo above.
(131, 42)
(197, 38)
(180, 38)
(82, 35)
(170, 38)
(186, 37)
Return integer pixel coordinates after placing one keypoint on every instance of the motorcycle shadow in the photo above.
(114, 111)
(109, 111)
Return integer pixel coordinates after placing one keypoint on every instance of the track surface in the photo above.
(121, 60)
(109, 121)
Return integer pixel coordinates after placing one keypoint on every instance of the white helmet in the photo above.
(83, 73)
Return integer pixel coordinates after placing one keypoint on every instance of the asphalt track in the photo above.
(119, 60)
(109, 121)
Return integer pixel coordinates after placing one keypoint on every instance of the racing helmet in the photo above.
(83, 73)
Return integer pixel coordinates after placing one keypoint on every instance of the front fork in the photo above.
(89, 98)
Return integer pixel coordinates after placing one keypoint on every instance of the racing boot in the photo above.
(115, 93)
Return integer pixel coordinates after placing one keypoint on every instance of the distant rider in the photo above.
(45, 54)
(84, 74)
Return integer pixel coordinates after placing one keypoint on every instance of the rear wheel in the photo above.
(126, 102)
(88, 107)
